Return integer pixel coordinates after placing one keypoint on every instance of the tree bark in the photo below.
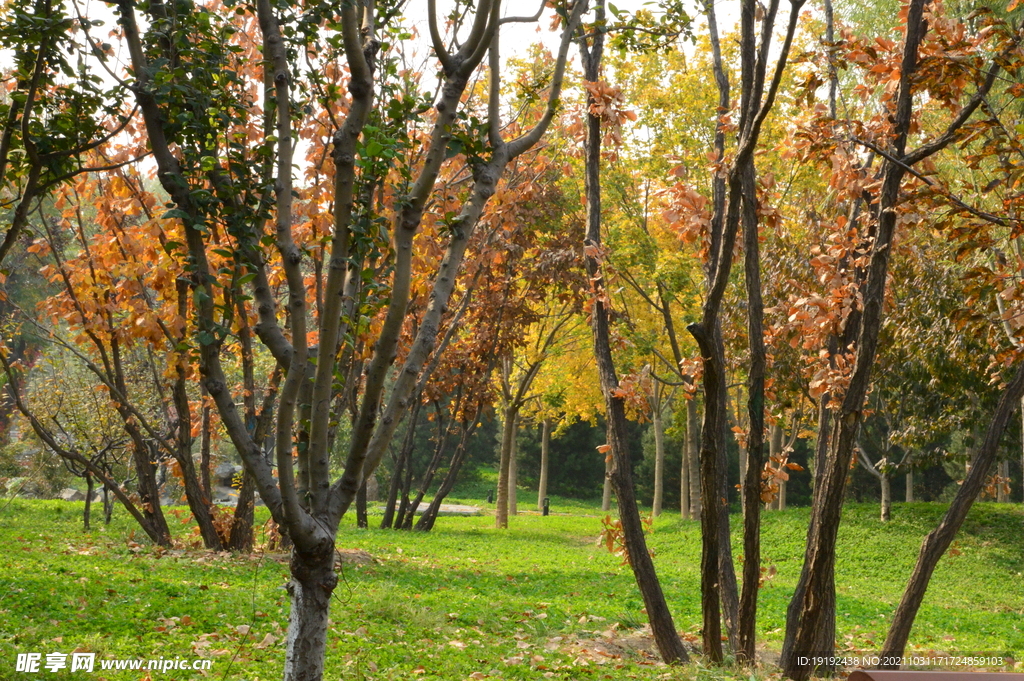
(939, 539)
(909, 479)
(684, 485)
(545, 447)
(621, 477)
(659, 462)
(693, 456)
(755, 414)
(241, 536)
(886, 506)
(811, 615)
(88, 500)
(501, 504)
(312, 583)
(513, 471)
(606, 489)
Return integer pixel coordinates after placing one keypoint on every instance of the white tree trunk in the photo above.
(886, 497)
(545, 443)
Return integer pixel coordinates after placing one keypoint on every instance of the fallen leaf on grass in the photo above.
(267, 641)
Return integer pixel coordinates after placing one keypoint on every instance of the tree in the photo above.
(620, 474)
(844, 383)
(197, 108)
(734, 203)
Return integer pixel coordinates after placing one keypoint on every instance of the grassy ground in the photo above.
(467, 601)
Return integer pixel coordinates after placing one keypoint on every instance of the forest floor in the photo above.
(466, 601)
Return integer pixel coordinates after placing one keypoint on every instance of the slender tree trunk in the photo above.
(775, 453)
(811, 615)
(606, 490)
(241, 537)
(400, 463)
(426, 521)
(501, 504)
(108, 506)
(939, 539)
(684, 485)
(1002, 489)
(545, 448)
(662, 626)
(88, 501)
(362, 521)
(910, 486)
(755, 459)
(886, 484)
(693, 455)
(513, 471)
(659, 463)
(204, 452)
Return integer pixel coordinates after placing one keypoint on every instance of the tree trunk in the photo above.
(684, 485)
(312, 583)
(886, 483)
(910, 486)
(606, 490)
(775, 453)
(1003, 488)
(810, 622)
(693, 456)
(754, 460)
(939, 539)
(108, 506)
(513, 471)
(545, 446)
(501, 504)
(88, 501)
(662, 626)
(362, 521)
(400, 463)
(426, 521)
(149, 495)
(659, 463)
(241, 536)
(204, 451)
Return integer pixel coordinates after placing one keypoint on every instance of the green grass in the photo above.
(534, 602)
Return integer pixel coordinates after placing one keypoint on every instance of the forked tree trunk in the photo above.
(545, 446)
(939, 539)
(312, 582)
